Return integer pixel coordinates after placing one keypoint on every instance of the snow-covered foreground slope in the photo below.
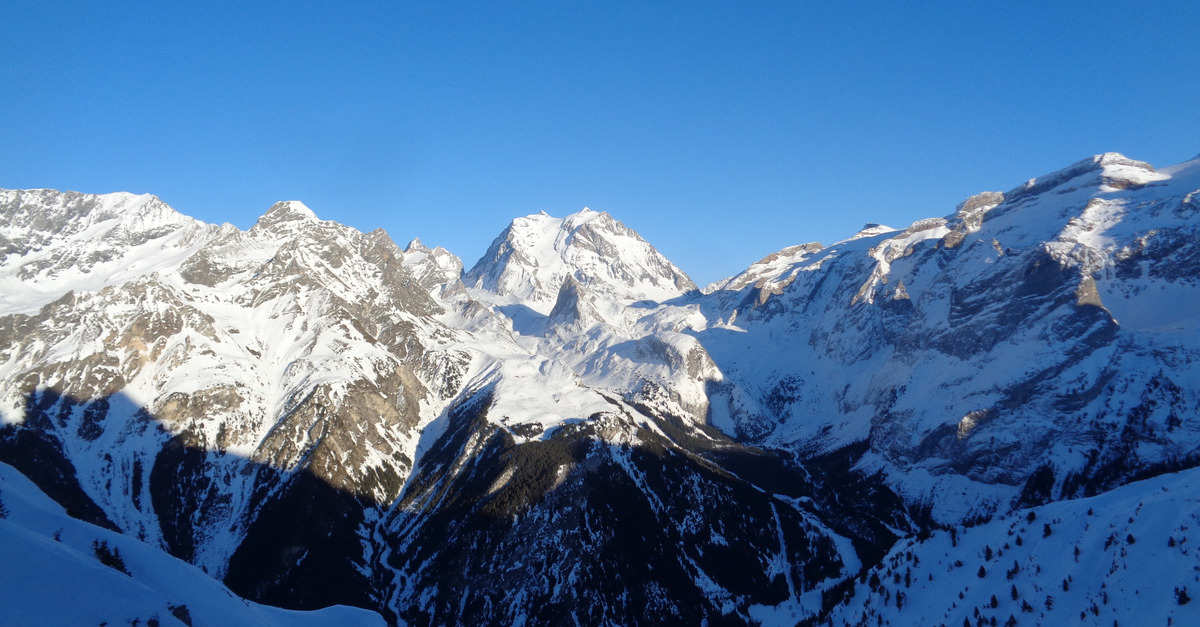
(1126, 557)
(571, 431)
(53, 574)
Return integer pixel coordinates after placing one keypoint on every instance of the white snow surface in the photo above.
(52, 576)
(1116, 558)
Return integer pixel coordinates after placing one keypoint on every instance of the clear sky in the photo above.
(720, 131)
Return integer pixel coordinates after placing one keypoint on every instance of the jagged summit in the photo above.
(533, 256)
(572, 307)
(40, 213)
(436, 269)
(286, 211)
(59, 241)
(1112, 169)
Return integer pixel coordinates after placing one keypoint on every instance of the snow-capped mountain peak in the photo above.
(32, 218)
(532, 258)
(1111, 169)
(286, 211)
(415, 246)
(54, 242)
(436, 269)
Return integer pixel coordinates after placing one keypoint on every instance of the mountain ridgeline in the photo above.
(572, 432)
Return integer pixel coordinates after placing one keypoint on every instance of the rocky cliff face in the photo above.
(571, 430)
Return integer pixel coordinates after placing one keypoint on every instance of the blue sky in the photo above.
(720, 131)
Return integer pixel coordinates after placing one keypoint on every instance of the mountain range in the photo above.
(571, 431)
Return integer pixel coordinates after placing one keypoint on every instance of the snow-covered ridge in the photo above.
(52, 242)
(1038, 318)
(768, 268)
(1113, 170)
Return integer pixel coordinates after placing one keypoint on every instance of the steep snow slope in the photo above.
(1125, 557)
(53, 575)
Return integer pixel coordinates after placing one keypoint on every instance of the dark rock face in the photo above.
(300, 548)
(41, 457)
(576, 527)
(180, 489)
(303, 549)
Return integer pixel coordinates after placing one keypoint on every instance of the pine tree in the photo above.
(109, 556)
